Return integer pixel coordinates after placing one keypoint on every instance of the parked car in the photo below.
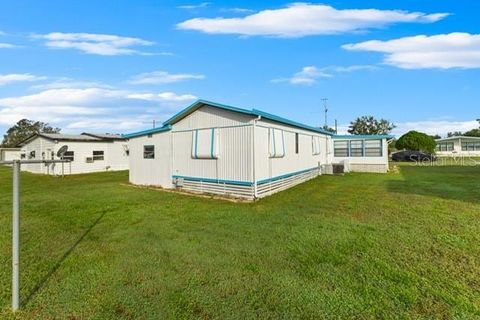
(413, 156)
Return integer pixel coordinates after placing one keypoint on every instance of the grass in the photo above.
(399, 245)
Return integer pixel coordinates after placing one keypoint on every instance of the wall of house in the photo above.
(151, 172)
(115, 157)
(267, 167)
(457, 149)
(364, 164)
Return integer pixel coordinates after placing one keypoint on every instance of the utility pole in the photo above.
(336, 127)
(324, 100)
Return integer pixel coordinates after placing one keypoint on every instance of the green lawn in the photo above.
(398, 245)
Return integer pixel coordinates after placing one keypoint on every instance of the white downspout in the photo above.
(255, 189)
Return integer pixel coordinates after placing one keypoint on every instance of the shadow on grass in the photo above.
(57, 265)
(446, 182)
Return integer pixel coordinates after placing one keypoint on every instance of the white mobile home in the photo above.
(459, 146)
(215, 148)
(87, 152)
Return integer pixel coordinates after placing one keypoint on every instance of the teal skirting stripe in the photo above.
(283, 176)
(244, 183)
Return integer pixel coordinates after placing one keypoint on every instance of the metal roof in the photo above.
(253, 112)
(363, 136)
(84, 137)
(147, 132)
(457, 137)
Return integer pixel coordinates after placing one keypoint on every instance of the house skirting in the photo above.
(244, 189)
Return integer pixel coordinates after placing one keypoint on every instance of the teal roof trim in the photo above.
(275, 118)
(147, 132)
(253, 112)
(363, 136)
(197, 104)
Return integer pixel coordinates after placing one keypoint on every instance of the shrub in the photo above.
(416, 141)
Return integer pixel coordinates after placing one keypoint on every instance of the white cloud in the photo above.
(66, 83)
(304, 19)
(443, 51)
(441, 127)
(161, 77)
(163, 96)
(92, 108)
(310, 74)
(307, 76)
(6, 45)
(18, 77)
(238, 10)
(195, 6)
(91, 43)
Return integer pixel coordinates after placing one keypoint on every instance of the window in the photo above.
(340, 148)
(296, 142)
(149, 152)
(445, 146)
(356, 148)
(205, 144)
(276, 143)
(315, 145)
(98, 155)
(69, 155)
(373, 148)
(470, 146)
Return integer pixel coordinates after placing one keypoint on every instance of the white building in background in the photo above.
(87, 153)
(9, 154)
(215, 148)
(458, 146)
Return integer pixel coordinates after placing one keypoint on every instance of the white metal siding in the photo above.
(154, 172)
(115, 157)
(234, 160)
(210, 117)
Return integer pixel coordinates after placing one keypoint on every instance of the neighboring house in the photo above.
(9, 154)
(458, 146)
(215, 148)
(87, 153)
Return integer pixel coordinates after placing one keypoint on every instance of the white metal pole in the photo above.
(16, 237)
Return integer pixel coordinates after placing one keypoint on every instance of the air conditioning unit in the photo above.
(338, 168)
(89, 159)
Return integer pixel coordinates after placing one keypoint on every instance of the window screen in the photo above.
(277, 143)
(340, 148)
(373, 148)
(98, 155)
(356, 148)
(149, 152)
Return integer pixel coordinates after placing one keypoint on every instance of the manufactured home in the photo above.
(86, 153)
(9, 154)
(214, 148)
(461, 146)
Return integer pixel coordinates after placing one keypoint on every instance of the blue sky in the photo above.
(114, 66)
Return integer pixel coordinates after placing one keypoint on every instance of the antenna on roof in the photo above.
(324, 100)
(153, 122)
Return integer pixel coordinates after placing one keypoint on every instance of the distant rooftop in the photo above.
(75, 137)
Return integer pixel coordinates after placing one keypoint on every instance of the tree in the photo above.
(328, 129)
(24, 129)
(370, 125)
(416, 141)
(436, 136)
(472, 133)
